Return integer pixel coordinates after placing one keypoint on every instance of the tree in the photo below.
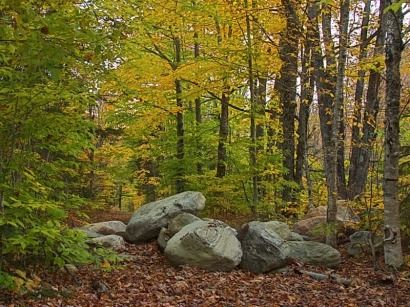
(393, 255)
(286, 87)
(307, 83)
(333, 150)
(364, 126)
(46, 49)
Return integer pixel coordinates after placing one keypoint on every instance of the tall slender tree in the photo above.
(364, 126)
(332, 180)
(307, 83)
(393, 254)
(286, 87)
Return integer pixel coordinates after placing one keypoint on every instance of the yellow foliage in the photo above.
(23, 282)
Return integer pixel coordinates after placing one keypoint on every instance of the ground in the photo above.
(146, 279)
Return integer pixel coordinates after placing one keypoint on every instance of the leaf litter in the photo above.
(145, 278)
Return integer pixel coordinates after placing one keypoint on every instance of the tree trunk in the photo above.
(253, 147)
(260, 105)
(221, 167)
(180, 180)
(362, 146)
(332, 180)
(325, 83)
(358, 101)
(306, 97)
(286, 86)
(260, 101)
(119, 195)
(150, 167)
(223, 136)
(198, 114)
(393, 255)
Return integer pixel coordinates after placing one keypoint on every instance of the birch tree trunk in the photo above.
(393, 255)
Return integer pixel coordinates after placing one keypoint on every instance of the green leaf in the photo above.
(394, 6)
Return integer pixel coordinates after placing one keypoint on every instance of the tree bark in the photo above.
(198, 114)
(286, 86)
(223, 136)
(325, 82)
(306, 98)
(332, 180)
(180, 180)
(306, 95)
(221, 166)
(362, 145)
(253, 147)
(393, 255)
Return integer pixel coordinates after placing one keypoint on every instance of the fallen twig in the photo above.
(332, 277)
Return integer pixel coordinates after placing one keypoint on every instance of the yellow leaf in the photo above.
(106, 265)
(21, 274)
(18, 282)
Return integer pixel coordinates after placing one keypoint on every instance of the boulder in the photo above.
(146, 223)
(180, 221)
(163, 238)
(262, 247)
(113, 241)
(222, 224)
(105, 228)
(295, 237)
(281, 228)
(206, 244)
(310, 223)
(313, 253)
(316, 211)
(174, 226)
(362, 242)
(313, 227)
(90, 233)
(344, 212)
(71, 268)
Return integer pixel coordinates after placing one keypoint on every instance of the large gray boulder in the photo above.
(313, 253)
(295, 237)
(180, 221)
(105, 228)
(262, 247)
(206, 244)
(113, 241)
(281, 228)
(174, 226)
(364, 242)
(147, 221)
(90, 233)
(163, 238)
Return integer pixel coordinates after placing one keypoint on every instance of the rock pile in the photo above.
(186, 239)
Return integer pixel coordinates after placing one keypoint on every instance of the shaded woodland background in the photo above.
(266, 107)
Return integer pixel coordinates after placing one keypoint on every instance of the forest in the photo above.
(268, 108)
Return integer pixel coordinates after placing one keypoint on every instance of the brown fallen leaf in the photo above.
(180, 287)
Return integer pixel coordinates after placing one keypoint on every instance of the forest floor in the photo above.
(146, 279)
